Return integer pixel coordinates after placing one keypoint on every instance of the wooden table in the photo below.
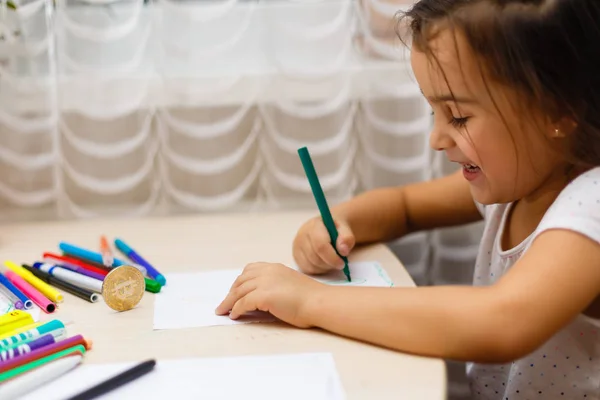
(187, 243)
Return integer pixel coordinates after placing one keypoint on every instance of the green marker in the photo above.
(317, 191)
(152, 286)
(11, 373)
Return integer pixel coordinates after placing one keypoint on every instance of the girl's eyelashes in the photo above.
(459, 122)
(454, 121)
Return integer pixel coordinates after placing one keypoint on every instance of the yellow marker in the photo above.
(14, 320)
(47, 290)
(22, 329)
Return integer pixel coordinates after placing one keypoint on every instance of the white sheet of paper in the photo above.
(365, 273)
(274, 377)
(189, 299)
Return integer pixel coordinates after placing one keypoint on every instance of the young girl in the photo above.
(515, 89)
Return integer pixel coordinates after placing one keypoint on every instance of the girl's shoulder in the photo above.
(579, 198)
(582, 193)
(577, 207)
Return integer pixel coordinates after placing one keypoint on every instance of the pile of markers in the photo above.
(32, 354)
(77, 271)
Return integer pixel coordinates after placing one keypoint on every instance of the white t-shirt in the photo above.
(567, 366)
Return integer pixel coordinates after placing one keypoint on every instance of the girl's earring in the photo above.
(558, 133)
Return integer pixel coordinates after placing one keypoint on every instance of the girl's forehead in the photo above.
(449, 63)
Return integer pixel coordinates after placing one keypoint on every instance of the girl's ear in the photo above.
(563, 128)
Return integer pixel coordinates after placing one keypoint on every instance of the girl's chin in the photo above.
(483, 195)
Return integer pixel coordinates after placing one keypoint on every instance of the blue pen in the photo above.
(133, 256)
(27, 303)
(92, 256)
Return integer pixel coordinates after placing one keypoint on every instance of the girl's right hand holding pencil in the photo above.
(312, 248)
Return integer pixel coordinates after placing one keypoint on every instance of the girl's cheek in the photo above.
(467, 146)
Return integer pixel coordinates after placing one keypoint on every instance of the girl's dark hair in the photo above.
(548, 50)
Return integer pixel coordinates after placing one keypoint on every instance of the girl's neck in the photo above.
(526, 213)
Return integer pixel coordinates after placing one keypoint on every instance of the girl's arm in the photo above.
(556, 279)
(384, 214)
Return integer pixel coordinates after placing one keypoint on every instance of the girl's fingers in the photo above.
(248, 303)
(234, 295)
(238, 281)
(251, 271)
(321, 244)
(310, 268)
(346, 240)
(312, 256)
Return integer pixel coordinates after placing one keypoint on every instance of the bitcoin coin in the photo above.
(123, 288)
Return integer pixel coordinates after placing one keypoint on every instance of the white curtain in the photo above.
(130, 108)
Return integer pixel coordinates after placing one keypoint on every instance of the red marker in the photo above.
(45, 351)
(65, 261)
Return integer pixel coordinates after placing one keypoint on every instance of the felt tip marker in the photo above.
(107, 256)
(34, 281)
(27, 303)
(14, 319)
(27, 382)
(135, 257)
(38, 298)
(75, 290)
(317, 190)
(54, 327)
(93, 257)
(17, 303)
(75, 268)
(20, 370)
(116, 381)
(45, 351)
(24, 348)
(72, 277)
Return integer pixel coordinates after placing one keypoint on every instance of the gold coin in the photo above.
(123, 288)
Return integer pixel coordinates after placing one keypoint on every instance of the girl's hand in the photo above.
(273, 288)
(312, 249)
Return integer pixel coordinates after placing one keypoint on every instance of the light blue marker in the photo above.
(82, 253)
(95, 257)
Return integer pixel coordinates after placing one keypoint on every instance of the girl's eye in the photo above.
(459, 122)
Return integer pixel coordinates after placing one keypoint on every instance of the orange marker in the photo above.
(107, 255)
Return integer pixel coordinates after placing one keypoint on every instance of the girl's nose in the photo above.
(440, 139)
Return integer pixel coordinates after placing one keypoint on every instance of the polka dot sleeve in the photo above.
(577, 208)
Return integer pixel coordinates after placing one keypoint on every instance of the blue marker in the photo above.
(27, 303)
(136, 258)
(92, 256)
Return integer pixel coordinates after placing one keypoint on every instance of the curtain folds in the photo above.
(131, 108)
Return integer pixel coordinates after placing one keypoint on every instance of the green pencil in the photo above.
(317, 191)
